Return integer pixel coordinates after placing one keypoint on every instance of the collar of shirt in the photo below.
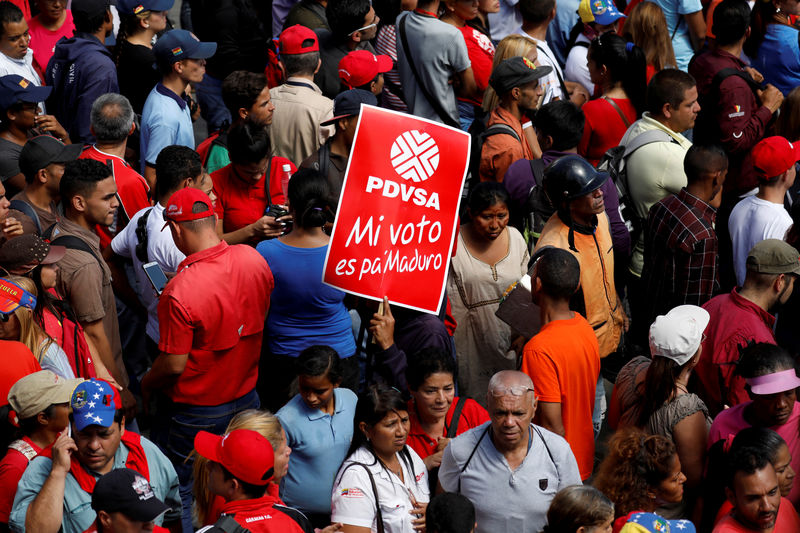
(115, 158)
(208, 253)
(267, 500)
(647, 118)
(744, 303)
(70, 227)
(161, 89)
(303, 82)
(26, 61)
(706, 211)
(727, 55)
(316, 414)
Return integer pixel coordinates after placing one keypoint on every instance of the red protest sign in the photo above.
(398, 210)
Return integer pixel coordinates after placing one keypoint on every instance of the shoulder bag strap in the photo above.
(76, 243)
(374, 491)
(141, 237)
(619, 111)
(435, 103)
(324, 159)
(267, 179)
(26, 209)
(452, 429)
(466, 463)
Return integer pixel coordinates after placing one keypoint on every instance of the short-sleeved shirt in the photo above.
(85, 283)
(481, 54)
(78, 512)
(9, 159)
(787, 520)
(753, 220)
(563, 360)
(604, 126)
(47, 217)
(508, 501)
(674, 10)
(353, 500)
(18, 362)
(261, 515)
(219, 326)
(472, 415)
(439, 53)
(43, 41)
(731, 421)
(12, 467)
(240, 203)
(319, 444)
(166, 120)
(160, 248)
(21, 67)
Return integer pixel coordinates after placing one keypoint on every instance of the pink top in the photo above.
(731, 421)
(43, 41)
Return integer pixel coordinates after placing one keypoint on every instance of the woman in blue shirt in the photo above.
(303, 311)
(319, 427)
(774, 44)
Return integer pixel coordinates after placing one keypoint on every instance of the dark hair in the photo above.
(760, 438)
(761, 359)
(578, 506)
(560, 273)
(81, 178)
(744, 459)
(250, 490)
(320, 360)
(84, 24)
(562, 121)
(625, 64)
(761, 15)
(30, 424)
(346, 16)
(668, 86)
(240, 89)
(174, 164)
(635, 461)
(449, 512)
(9, 13)
(248, 143)
(128, 26)
(659, 382)
(536, 11)
(485, 195)
(730, 21)
(431, 360)
(310, 199)
(300, 64)
(701, 160)
(112, 118)
(388, 10)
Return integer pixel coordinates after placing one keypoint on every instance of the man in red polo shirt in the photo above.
(112, 123)
(211, 316)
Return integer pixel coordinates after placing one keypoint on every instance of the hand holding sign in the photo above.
(382, 326)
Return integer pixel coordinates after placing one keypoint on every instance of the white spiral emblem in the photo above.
(415, 156)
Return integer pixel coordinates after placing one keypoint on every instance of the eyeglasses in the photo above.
(517, 390)
(365, 28)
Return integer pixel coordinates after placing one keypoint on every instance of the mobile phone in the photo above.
(156, 276)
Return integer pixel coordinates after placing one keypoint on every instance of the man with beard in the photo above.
(516, 81)
(770, 382)
(744, 316)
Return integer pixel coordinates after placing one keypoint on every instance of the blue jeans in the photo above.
(212, 107)
(176, 438)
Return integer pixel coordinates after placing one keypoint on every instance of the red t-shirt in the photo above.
(240, 204)
(472, 415)
(604, 127)
(214, 310)
(156, 529)
(132, 190)
(481, 54)
(563, 360)
(787, 521)
(12, 467)
(18, 362)
(43, 41)
(260, 516)
(24, 6)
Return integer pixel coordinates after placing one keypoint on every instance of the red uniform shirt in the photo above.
(239, 203)
(12, 467)
(472, 415)
(260, 516)
(481, 54)
(132, 190)
(604, 127)
(18, 362)
(214, 310)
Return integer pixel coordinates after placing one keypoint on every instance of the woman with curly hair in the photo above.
(640, 473)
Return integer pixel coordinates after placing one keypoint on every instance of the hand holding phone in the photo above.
(156, 276)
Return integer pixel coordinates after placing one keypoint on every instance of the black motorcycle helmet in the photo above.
(571, 177)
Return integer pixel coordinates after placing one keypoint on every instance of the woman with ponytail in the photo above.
(303, 311)
(773, 42)
(617, 69)
(140, 22)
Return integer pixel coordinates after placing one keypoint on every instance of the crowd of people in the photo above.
(172, 360)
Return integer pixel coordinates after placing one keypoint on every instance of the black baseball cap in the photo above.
(128, 492)
(15, 89)
(514, 72)
(43, 150)
(89, 8)
(348, 103)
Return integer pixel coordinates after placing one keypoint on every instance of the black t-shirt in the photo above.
(136, 73)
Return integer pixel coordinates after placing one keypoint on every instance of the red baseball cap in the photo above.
(773, 156)
(180, 204)
(244, 453)
(360, 67)
(298, 39)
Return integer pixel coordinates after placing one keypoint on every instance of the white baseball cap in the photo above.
(678, 334)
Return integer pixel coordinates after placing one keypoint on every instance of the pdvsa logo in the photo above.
(415, 156)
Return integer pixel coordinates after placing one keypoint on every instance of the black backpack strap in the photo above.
(497, 129)
(725, 73)
(378, 511)
(225, 524)
(26, 209)
(324, 159)
(466, 463)
(301, 519)
(141, 237)
(435, 103)
(76, 243)
(452, 429)
(537, 169)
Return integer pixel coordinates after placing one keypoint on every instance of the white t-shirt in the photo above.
(21, 67)
(551, 85)
(160, 248)
(753, 220)
(353, 500)
(577, 67)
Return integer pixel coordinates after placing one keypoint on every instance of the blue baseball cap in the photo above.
(652, 523)
(15, 89)
(94, 402)
(177, 45)
(134, 7)
(603, 12)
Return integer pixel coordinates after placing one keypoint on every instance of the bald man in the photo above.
(509, 467)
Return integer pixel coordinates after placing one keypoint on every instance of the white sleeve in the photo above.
(121, 244)
(352, 500)
(449, 470)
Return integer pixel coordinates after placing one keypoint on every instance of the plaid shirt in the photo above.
(680, 254)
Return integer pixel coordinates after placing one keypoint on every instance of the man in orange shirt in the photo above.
(563, 359)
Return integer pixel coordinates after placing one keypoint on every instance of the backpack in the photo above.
(613, 162)
(706, 126)
(218, 138)
(479, 131)
(530, 217)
